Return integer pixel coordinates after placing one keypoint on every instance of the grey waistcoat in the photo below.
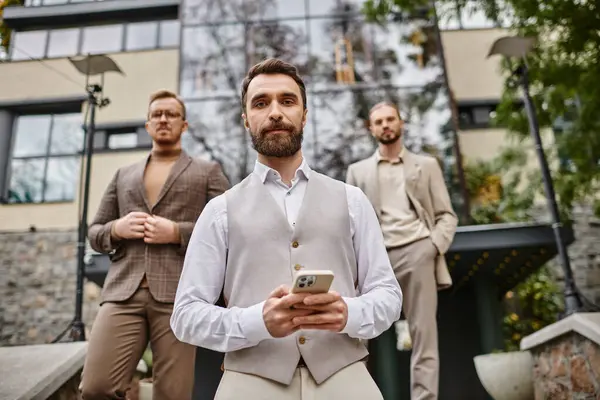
(262, 256)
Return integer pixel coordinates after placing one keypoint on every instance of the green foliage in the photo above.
(4, 30)
(532, 305)
(537, 301)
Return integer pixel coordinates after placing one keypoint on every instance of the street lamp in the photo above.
(90, 65)
(518, 47)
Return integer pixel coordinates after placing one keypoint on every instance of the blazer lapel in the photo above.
(180, 165)
(372, 184)
(412, 173)
(139, 181)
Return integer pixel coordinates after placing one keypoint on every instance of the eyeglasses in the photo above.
(156, 115)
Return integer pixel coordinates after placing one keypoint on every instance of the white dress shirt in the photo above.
(196, 320)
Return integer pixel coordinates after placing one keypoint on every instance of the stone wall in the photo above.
(567, 368)
(585, 254)
(37, 286)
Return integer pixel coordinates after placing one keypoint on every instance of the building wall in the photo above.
(472, 75)
(145, 72)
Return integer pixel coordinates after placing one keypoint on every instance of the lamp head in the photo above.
(512, 46)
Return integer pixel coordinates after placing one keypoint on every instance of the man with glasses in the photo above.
(144, 221)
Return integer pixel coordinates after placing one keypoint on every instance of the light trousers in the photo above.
(351, 383)
(414, 266)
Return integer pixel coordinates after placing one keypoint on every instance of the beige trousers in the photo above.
(118, 339)
(414, 266)
(351, 383)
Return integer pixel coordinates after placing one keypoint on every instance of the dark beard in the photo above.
(388, 140)
(277, 145)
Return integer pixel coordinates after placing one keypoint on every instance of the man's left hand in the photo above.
(331, 315)
(159, 230)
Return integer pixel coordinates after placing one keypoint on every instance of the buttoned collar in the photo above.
(379, 158)
(267, 173)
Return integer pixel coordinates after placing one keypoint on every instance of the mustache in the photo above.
(277, 126)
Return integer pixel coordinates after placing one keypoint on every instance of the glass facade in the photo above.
(45, 162)
(222, 39)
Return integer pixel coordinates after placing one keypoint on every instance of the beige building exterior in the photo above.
(144, 73)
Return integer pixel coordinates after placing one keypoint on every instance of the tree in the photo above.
(564, 72)
(5, 32)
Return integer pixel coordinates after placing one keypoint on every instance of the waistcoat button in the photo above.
(295, 244)
(297, 267)
(302, 340)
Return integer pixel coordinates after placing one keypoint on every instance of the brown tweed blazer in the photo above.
(189, 186)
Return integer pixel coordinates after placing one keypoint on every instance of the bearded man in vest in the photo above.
(144, 221)
(412, 203)
(249, 243)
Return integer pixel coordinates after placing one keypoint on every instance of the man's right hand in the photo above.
(130, 226)
(278, 312)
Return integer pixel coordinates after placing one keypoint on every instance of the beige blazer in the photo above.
(427, 193)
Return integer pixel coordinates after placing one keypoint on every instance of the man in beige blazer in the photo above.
(144, 221)
(418, 223)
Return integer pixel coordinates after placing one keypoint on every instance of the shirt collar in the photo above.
(267, 173)
(379, 158)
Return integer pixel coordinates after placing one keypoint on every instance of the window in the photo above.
(63, 42)
(28, 45)
(476, 116)
(169, 34)
(95, 39)
(132, 136)
(102, 39)
(45, 162)
(141, 36)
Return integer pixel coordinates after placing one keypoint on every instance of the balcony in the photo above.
(41, 14)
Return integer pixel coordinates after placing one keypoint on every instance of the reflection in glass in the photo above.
(141, 36)
(216, 128)
(211, 11)
(28, 45)
(26, 180)
(286, 40)
(218, 50)
(102, 39)
(63, 42)
(281, 9)
(61, 178)
(214, 60)
(67, 134)
(169, 33)
(31, 135)
(326, 38)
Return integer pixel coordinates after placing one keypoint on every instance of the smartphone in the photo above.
(312, 281)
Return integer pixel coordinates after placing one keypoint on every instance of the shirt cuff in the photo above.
(354, 322)
(253, 324)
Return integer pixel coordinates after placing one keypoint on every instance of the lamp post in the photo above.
(89, 65)
(519, 47)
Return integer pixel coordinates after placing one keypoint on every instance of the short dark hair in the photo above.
(167, 94)
(273, 66)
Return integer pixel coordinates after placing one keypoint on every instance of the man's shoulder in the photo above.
(421, 157)
(202, 162)
(127, 170)
(364, 163)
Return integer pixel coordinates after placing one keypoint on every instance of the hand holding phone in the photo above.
(312, 281)
(330, 311)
